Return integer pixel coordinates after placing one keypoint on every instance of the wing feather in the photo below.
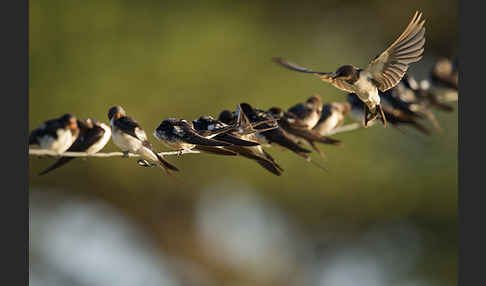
(391, 65)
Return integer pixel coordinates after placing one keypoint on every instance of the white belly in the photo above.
(95, 148)
(126, 142)
(313, 119)
(367, 92)
(331, 122)
(61, 144)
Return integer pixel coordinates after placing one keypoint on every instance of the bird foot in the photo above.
(145, 163)
(125, 154)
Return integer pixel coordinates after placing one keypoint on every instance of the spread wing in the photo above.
(389, 67)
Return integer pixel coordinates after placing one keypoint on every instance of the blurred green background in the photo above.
(161, 59)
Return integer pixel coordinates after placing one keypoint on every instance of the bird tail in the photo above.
(57, 164)
(166, 165)
(295, 67)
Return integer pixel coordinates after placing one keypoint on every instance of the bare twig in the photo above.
(345, 128)
(41, 152)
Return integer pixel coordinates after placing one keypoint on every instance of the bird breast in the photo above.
(61, 144)
(125, 142)
(96, 147)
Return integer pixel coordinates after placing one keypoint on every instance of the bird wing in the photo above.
(131, 127)
(388, 68)
(189, 135)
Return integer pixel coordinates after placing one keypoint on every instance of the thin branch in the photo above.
(345, 128)
(41, 152)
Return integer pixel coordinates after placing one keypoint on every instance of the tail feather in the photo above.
(165, 164)
(60, 162)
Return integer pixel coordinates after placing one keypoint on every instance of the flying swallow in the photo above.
(130, 137)
(244, 145)
(445, 74)
(276, 135)
(383, 72)
(180, 134)
(300, 129)
(93, 136)
(396, 117)
(332, 116)
(56, 134)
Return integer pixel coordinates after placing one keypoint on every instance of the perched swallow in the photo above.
(395, 117)
(93, 136)
(130, 137)
(430, 97)
(383, 73)
(413, 99)
(332, 116)
(56, 134)
(297, 128)
(180, 134)
(445, 74)
(245, 144)
(308, 113)
(206, 124)
(276, 135)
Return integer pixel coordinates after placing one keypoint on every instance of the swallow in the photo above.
(395, 117)
(300, 129)
(308, 113)
(56, 134)
(131, 138)
(276, 135)
(245, 145)
(445, 74)
(93, 136)
(413, 99)
(206, 124)
(180, 134)
(332, 116)
(430, 97)
(382, 73)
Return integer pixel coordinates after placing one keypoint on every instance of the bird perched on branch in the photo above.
(56, 134)
(93, 136)
(383, 73)
(181, 135)
(276, 135)
(445, 74)
(298, 123)
(245, 143)
(396, 117)
(130, 137)
(332, 116)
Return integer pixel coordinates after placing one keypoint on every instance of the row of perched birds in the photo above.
(245, 131)
(382, 90)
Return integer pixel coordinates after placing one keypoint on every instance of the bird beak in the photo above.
(73, 126)
(117, 115)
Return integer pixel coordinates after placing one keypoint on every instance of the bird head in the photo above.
(116, 112)
(345, 72)
(315, 101)
(69, 120)
(226, 117)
